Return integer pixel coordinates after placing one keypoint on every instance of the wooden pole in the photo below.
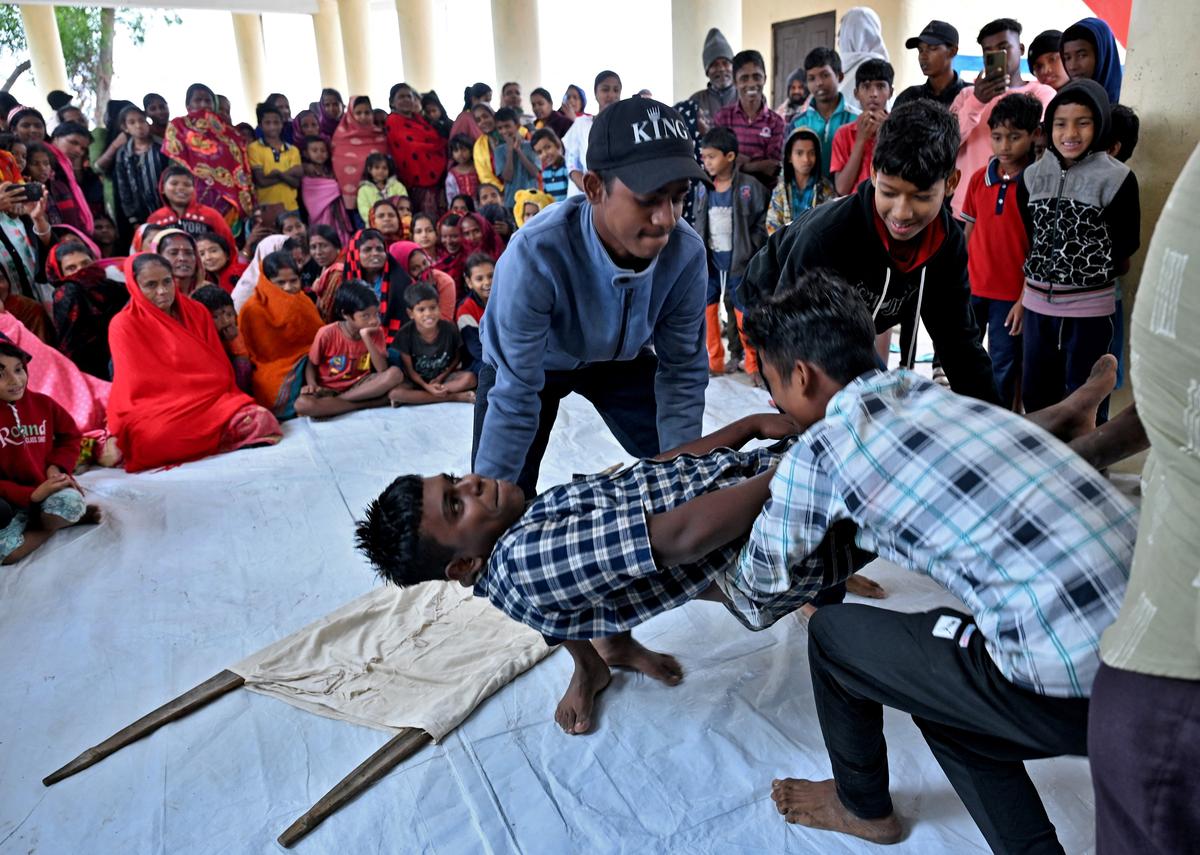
(396, 750)
(205, 693)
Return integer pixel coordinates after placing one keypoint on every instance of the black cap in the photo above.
(935, 33)
(643, 142)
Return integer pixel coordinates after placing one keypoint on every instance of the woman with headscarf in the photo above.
(246, 283)
(85, 301)
(179, 248)
(503, 223)
(305, 125)
(1089, 49)
(417, 149)
(417, 263)
(860, 37)
(574, 102)
(385, 219)
(367, 259)
(215, 155)
(329, 111)
(466, 122)
(174, 397)
(435, 113)
(354, 140)
(453, 257)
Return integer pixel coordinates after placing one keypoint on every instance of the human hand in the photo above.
(51, 486)
(987, 88)
(52, 471)
(774, 426)
(438, 389)
(310, 390)
(11, 195)
(366, 332)
(870, 128)
(1015, 322)
(38, 210)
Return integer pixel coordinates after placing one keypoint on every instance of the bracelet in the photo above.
(46, 233)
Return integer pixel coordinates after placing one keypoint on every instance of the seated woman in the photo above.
(174, 398)
(385, 219)
(179, 248)
(367, 259)
(324, 246)
(278, 325)
(222, 267)
(419, 265)
(85, 302)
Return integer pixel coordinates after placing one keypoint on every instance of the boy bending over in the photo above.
(1032, 539)
(585, 562)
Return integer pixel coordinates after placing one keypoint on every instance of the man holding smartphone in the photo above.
(1000, 41)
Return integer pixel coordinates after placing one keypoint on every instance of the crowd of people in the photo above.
(174, 288)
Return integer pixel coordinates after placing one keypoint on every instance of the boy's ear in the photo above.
(464, 570)
(593, 187)
(952, 181)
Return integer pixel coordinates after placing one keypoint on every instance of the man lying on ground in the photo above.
(1033, 540)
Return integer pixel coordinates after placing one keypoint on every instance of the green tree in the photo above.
(88, 35)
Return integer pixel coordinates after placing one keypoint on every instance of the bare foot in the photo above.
(622, 651)
(864, 587)
(815, 804)
(1075, 415)
(574, 712)
(91, 515)
(463, 397)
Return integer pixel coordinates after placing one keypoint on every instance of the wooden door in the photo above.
(790, 43)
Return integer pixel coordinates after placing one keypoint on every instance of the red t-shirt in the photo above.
(998, 245)
(341, 362)
(843, 142)
(35, 432)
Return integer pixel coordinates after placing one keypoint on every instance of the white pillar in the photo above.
(417, 42)
(45, 49)
(328, 31)
(517, 45)
(690, 23)
(252, 57)
(355, 18)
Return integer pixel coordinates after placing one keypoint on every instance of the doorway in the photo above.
(790, 43)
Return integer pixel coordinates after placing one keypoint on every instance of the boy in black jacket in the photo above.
(895, 242)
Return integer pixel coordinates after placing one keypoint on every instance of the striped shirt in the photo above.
(555, 181)
(1034, 541)
(760, 138)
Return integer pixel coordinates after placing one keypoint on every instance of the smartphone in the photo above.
(995, 63)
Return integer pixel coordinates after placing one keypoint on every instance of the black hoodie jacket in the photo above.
(841, 237)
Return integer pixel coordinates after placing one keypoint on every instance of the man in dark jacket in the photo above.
(895, 242)
(718, 68)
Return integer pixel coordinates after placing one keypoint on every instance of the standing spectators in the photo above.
(758, 128)
(720, 92)
(936, 47)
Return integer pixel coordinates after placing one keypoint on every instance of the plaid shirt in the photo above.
(578, 564)
(760, 138)
(1035, 542)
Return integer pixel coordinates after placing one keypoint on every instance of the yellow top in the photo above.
(262, 156)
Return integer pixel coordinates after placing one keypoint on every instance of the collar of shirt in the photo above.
(602, 263)
(762, 113)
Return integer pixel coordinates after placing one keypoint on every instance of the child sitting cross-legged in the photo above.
(430, 350)
(224, 317)
(39, 446)
(347, 364)
(469, 315)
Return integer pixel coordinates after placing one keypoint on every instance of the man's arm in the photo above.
(689, 532)
(506, 171)
(682, 359)
(738, 433)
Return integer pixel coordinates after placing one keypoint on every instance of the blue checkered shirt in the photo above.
(1034, 541)
(578, 564)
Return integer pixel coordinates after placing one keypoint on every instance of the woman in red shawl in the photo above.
(174, 398)
(420, 267)
(179, 248)
(354, 139)
(214, 153)
(417, 150)
(220, 261)
(478, 235)
(85, 303)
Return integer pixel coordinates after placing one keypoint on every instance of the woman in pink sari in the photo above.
(319, 190)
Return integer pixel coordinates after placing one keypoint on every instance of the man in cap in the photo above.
(936, 46)
(718, 66)
(602, 295)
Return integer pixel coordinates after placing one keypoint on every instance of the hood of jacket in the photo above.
(1090, 94)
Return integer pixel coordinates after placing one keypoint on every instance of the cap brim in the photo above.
(651, 175)
(929, 40)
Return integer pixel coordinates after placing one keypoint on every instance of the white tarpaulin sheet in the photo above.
(199, 566)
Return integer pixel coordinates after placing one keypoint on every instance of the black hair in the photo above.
(485, 107)
(328, 90)
(475, 90)
(818, 318)
(722, 139)
(448, 220)
(1087, 93)
(874, 69)
(917, 143)
(1000, 25)
(68, 129)
(172, 170)
(127, 112)
(789, 171)
(476, 259)
(219, 240)
(275, 96)
(7, 103)
(419, 292)
(70, 246)
(358, 99)
(460, 141)
(150, 96)
(821, 57)
(374, 158)
(545, 134)
(61, 112)
(353, 295)
(283, 216)
(470, 202)
(7, 348)
(212, 298)
(7, 140)
(544, 93)
(326, 232)
(1047, 41)
(1019, 110)
(421, 215)
(263, 109)
(396, 87)
(745, 57)
(508, 84)
(276, 261)
(1125, 128)
(39, 148)
(507, 114)
(295, 243)
(602, 76)
(389, 535)
(304, 142)
(199, 87)
(483, 184)
(143, 260)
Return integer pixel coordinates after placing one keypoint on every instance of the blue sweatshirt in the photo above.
(559, 302)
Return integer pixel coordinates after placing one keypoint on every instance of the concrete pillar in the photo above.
(252, 57)
(516, 41)
(355, 18)
(690, 23)
(328, 30)
(45, 49)
(417, 42)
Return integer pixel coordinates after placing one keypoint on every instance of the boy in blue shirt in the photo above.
(549, 149)
(516, 163)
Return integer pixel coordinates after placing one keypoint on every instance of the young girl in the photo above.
(305, 125)
(419, 265)
(379, 183)
(435, 113)
(181, 210)
(355, 142)
(461, 178)
(221, 265)
(278, 325)
(485, 146)
(801, 185)
(320, 192)
(155, 107)
(384, 218)
(462, 204)
(39, 169)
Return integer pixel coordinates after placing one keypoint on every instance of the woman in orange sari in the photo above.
(278, 325)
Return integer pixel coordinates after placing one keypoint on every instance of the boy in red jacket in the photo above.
(39, 445)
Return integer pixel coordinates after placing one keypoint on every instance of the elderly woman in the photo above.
(179, 248)
(174, 397)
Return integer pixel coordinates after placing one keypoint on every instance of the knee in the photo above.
(394, 374)
(304, 405)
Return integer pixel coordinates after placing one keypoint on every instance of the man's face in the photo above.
(1079, 59)
(158, 112)
(935, 59)
(823, 84)
(489, 195)
(1073, 130)
(137, 126)
(507, 129)
(608, 92)
(425, 315)
(749, 80)
(1011, 145)
(905, 208)
(873, 94)
(715, 161)
(1048, 69)
(789, 396)
(796, 93)
(720, 73)
(511, 96)
(469, 514)
(637, 225)
(285, 109)
(74, 114)
(1010, 43)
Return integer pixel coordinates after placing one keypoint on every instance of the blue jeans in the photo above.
(1059, 355)
(1003, 348)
